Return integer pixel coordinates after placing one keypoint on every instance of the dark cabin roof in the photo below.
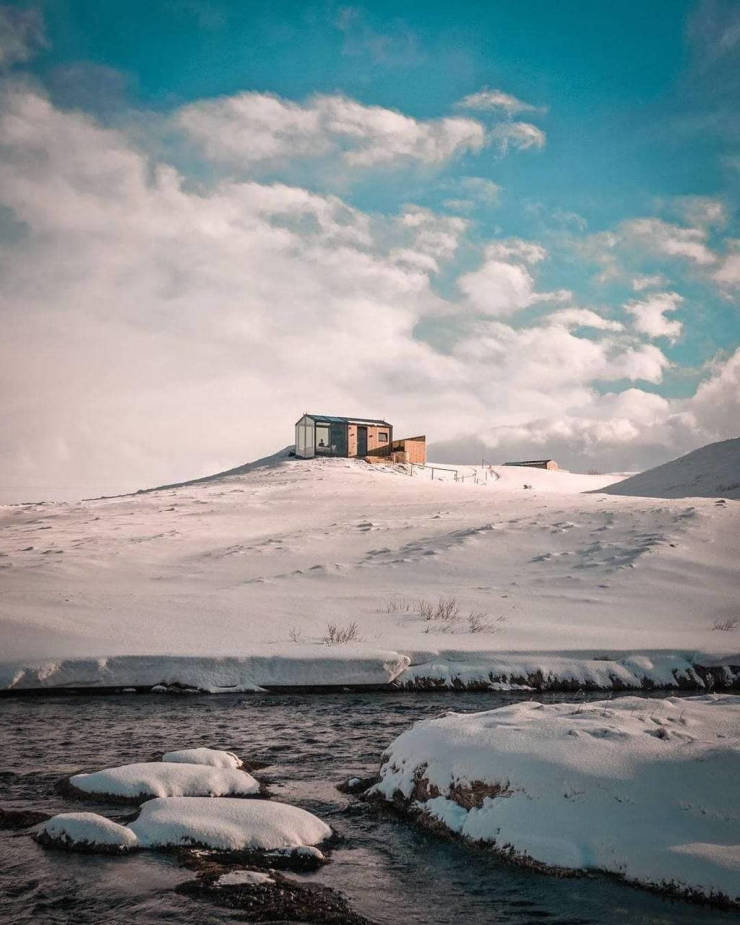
(335, 419)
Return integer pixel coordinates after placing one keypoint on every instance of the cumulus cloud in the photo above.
(498, 287)
(21, 35)
(649, 315)
(503, 284)
(614, 431)
(496, 100)
(255, 128)
(154, 329)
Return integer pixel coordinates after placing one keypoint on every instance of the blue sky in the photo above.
(453, 186)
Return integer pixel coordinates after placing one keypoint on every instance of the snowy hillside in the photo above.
(712, 471)
(243, 579)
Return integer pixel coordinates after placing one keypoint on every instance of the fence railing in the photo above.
(457, 476)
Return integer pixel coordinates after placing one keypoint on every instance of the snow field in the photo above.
(646, 789)
(114, 592)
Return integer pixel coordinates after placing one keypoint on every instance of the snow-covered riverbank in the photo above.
(356, 667)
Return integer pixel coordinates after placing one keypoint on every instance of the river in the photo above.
(390, 871)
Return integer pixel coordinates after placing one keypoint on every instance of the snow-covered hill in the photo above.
(510, 574)
(712, 471)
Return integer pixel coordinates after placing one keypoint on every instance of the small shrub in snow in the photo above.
(425, 610)
(725, 626)
(295, 635)
(447, 610)
(477, 623)
(339, 635)
(444, 611)
(397, 605)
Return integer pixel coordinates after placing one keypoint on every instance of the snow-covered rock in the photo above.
(542, 671)
(166, 779)
(228, 825)
(244, 878)
(87, 832)
(644, 788)
(213, 757)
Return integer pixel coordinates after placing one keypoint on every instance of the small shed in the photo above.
(329, 435)
(536, 464)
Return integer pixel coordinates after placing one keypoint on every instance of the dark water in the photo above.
(389, 870)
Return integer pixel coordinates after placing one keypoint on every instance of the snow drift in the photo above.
(166, 779)
(713, 471)
(228, 825)
(214, 757)
(645, 789)
(257, 826)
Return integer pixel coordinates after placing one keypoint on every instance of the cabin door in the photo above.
(361, 441)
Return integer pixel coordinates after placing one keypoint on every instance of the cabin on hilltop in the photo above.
(536, 464)
(355, 438)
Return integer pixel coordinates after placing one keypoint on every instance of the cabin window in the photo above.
(323, 436)
(383, 437)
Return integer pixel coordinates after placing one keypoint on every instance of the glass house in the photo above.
(329, 435)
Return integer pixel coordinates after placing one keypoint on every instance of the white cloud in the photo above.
(660, 237)
(648, 281)
(498, 287)
(715, 408)
(583, 317)
(427, 238)
(649, 315)
(471, 192)
(21, 35)
(153, 330)
(503, 283)
(258, 128)
(486, 99)
(516, 249)
(518, 136)
(727, 274)
(704, 211)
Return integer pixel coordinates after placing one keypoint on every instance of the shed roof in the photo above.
(335, 419)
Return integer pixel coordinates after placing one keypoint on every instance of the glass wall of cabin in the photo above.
(304, 438)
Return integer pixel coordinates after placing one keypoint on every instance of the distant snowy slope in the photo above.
(713, 471)
(266, 462)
